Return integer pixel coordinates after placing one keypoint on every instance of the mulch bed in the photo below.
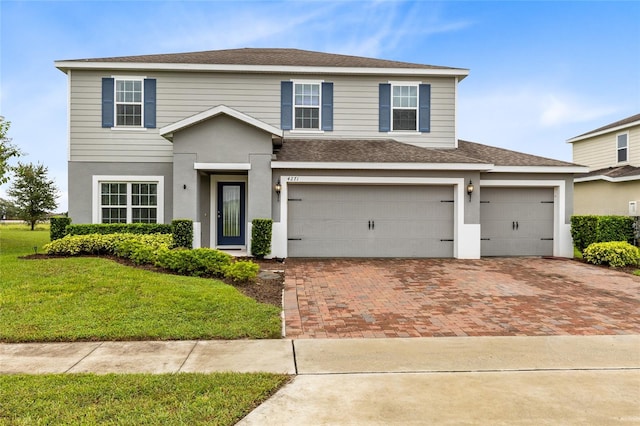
(267, 288)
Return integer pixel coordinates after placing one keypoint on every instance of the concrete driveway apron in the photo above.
(351, 298)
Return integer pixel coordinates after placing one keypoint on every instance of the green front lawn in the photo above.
(185, 399)
(75, 299)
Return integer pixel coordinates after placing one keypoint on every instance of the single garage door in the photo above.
(370, 221)
(516, 221)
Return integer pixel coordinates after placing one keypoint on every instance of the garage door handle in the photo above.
(369, 225)
(373, 224)
(513, 226)
(517, 225)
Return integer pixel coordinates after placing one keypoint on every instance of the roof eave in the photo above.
(65, 66)
(606, 178)
(333, 165)
(539, 169)
(603, 132)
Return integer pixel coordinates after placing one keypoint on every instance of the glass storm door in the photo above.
(231, 213)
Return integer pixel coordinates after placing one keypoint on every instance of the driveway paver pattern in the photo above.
(329, 298)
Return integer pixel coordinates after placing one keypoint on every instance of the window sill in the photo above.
(405, 132)
(129, 128)
(312, 131)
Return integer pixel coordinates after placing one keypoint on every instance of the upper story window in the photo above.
(128, 102)
(405, 108)
(306, 106)
(623, 147)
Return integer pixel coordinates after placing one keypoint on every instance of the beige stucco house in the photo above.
(612, 153)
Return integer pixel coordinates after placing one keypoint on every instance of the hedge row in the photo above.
(590, 229)
(155, 249)
(119, 228)
(182, 229)
(122, 245)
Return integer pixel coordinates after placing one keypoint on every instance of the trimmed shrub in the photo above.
(261, 237)
(182, 230)
(613, 253)
(59, 227)
(122, 245)
(142, 249)
(589, 229)
(119, 228)
(196, 262)
(583, 231)
(242, 271)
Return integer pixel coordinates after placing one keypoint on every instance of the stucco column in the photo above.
(259, 200)
(185, 187)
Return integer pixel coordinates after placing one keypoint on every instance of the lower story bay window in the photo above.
(124, 200)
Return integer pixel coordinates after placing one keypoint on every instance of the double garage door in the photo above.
(413, 221)
(370, 221)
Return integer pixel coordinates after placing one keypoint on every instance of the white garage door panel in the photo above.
(516, 221)
(370, 221)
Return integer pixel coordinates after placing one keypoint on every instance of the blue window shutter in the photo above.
(107, 102)
(286, 105)
(150, 103)
(424, 110)
(327, 106)
(385, 107)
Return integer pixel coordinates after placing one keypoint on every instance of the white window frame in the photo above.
(319, 107)
(117, 78)
(96, 210)
(415, 84)
(618, 148)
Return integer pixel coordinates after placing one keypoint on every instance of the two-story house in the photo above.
(612, 153)
(349, 156)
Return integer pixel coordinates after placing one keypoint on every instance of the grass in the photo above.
(177, 399)
(86, 299)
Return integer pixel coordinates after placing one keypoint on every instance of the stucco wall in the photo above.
(80, 184)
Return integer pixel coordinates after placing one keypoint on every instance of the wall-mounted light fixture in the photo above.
(278, 187)
(470, 189)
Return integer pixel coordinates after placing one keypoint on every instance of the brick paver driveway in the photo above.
(444, 297)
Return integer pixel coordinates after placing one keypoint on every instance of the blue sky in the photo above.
(541, 72)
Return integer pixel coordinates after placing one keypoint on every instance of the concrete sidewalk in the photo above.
(472, 380)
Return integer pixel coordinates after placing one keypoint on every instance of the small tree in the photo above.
(7, 150)
(8, 210)
(33, 193)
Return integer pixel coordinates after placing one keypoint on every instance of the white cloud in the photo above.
(560, 109)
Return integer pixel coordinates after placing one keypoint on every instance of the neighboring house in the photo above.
(612, 185)
(349, 156)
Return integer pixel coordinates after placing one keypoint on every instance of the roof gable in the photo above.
(168, 131)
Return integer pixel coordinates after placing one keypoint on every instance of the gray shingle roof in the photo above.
(618, 123)
(271, 56)
(613, 172)
(391, 151)
(364, 151)
(506, 157)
